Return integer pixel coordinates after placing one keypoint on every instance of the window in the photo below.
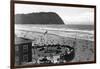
(17, 58)
(16, 48)
(25, 58)
(25, 48)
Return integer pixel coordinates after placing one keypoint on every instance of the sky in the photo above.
(70, 15)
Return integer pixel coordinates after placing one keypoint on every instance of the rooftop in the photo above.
(19, 40)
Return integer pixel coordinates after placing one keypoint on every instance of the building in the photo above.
(23, 51)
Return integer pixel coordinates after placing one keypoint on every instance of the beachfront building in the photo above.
(23, 51)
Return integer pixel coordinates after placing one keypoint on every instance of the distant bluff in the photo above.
(38, 18)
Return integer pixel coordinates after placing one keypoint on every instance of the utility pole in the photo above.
(45, 39)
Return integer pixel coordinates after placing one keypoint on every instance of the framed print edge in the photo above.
(12, 35)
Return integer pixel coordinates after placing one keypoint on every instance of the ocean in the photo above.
(60, 26)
